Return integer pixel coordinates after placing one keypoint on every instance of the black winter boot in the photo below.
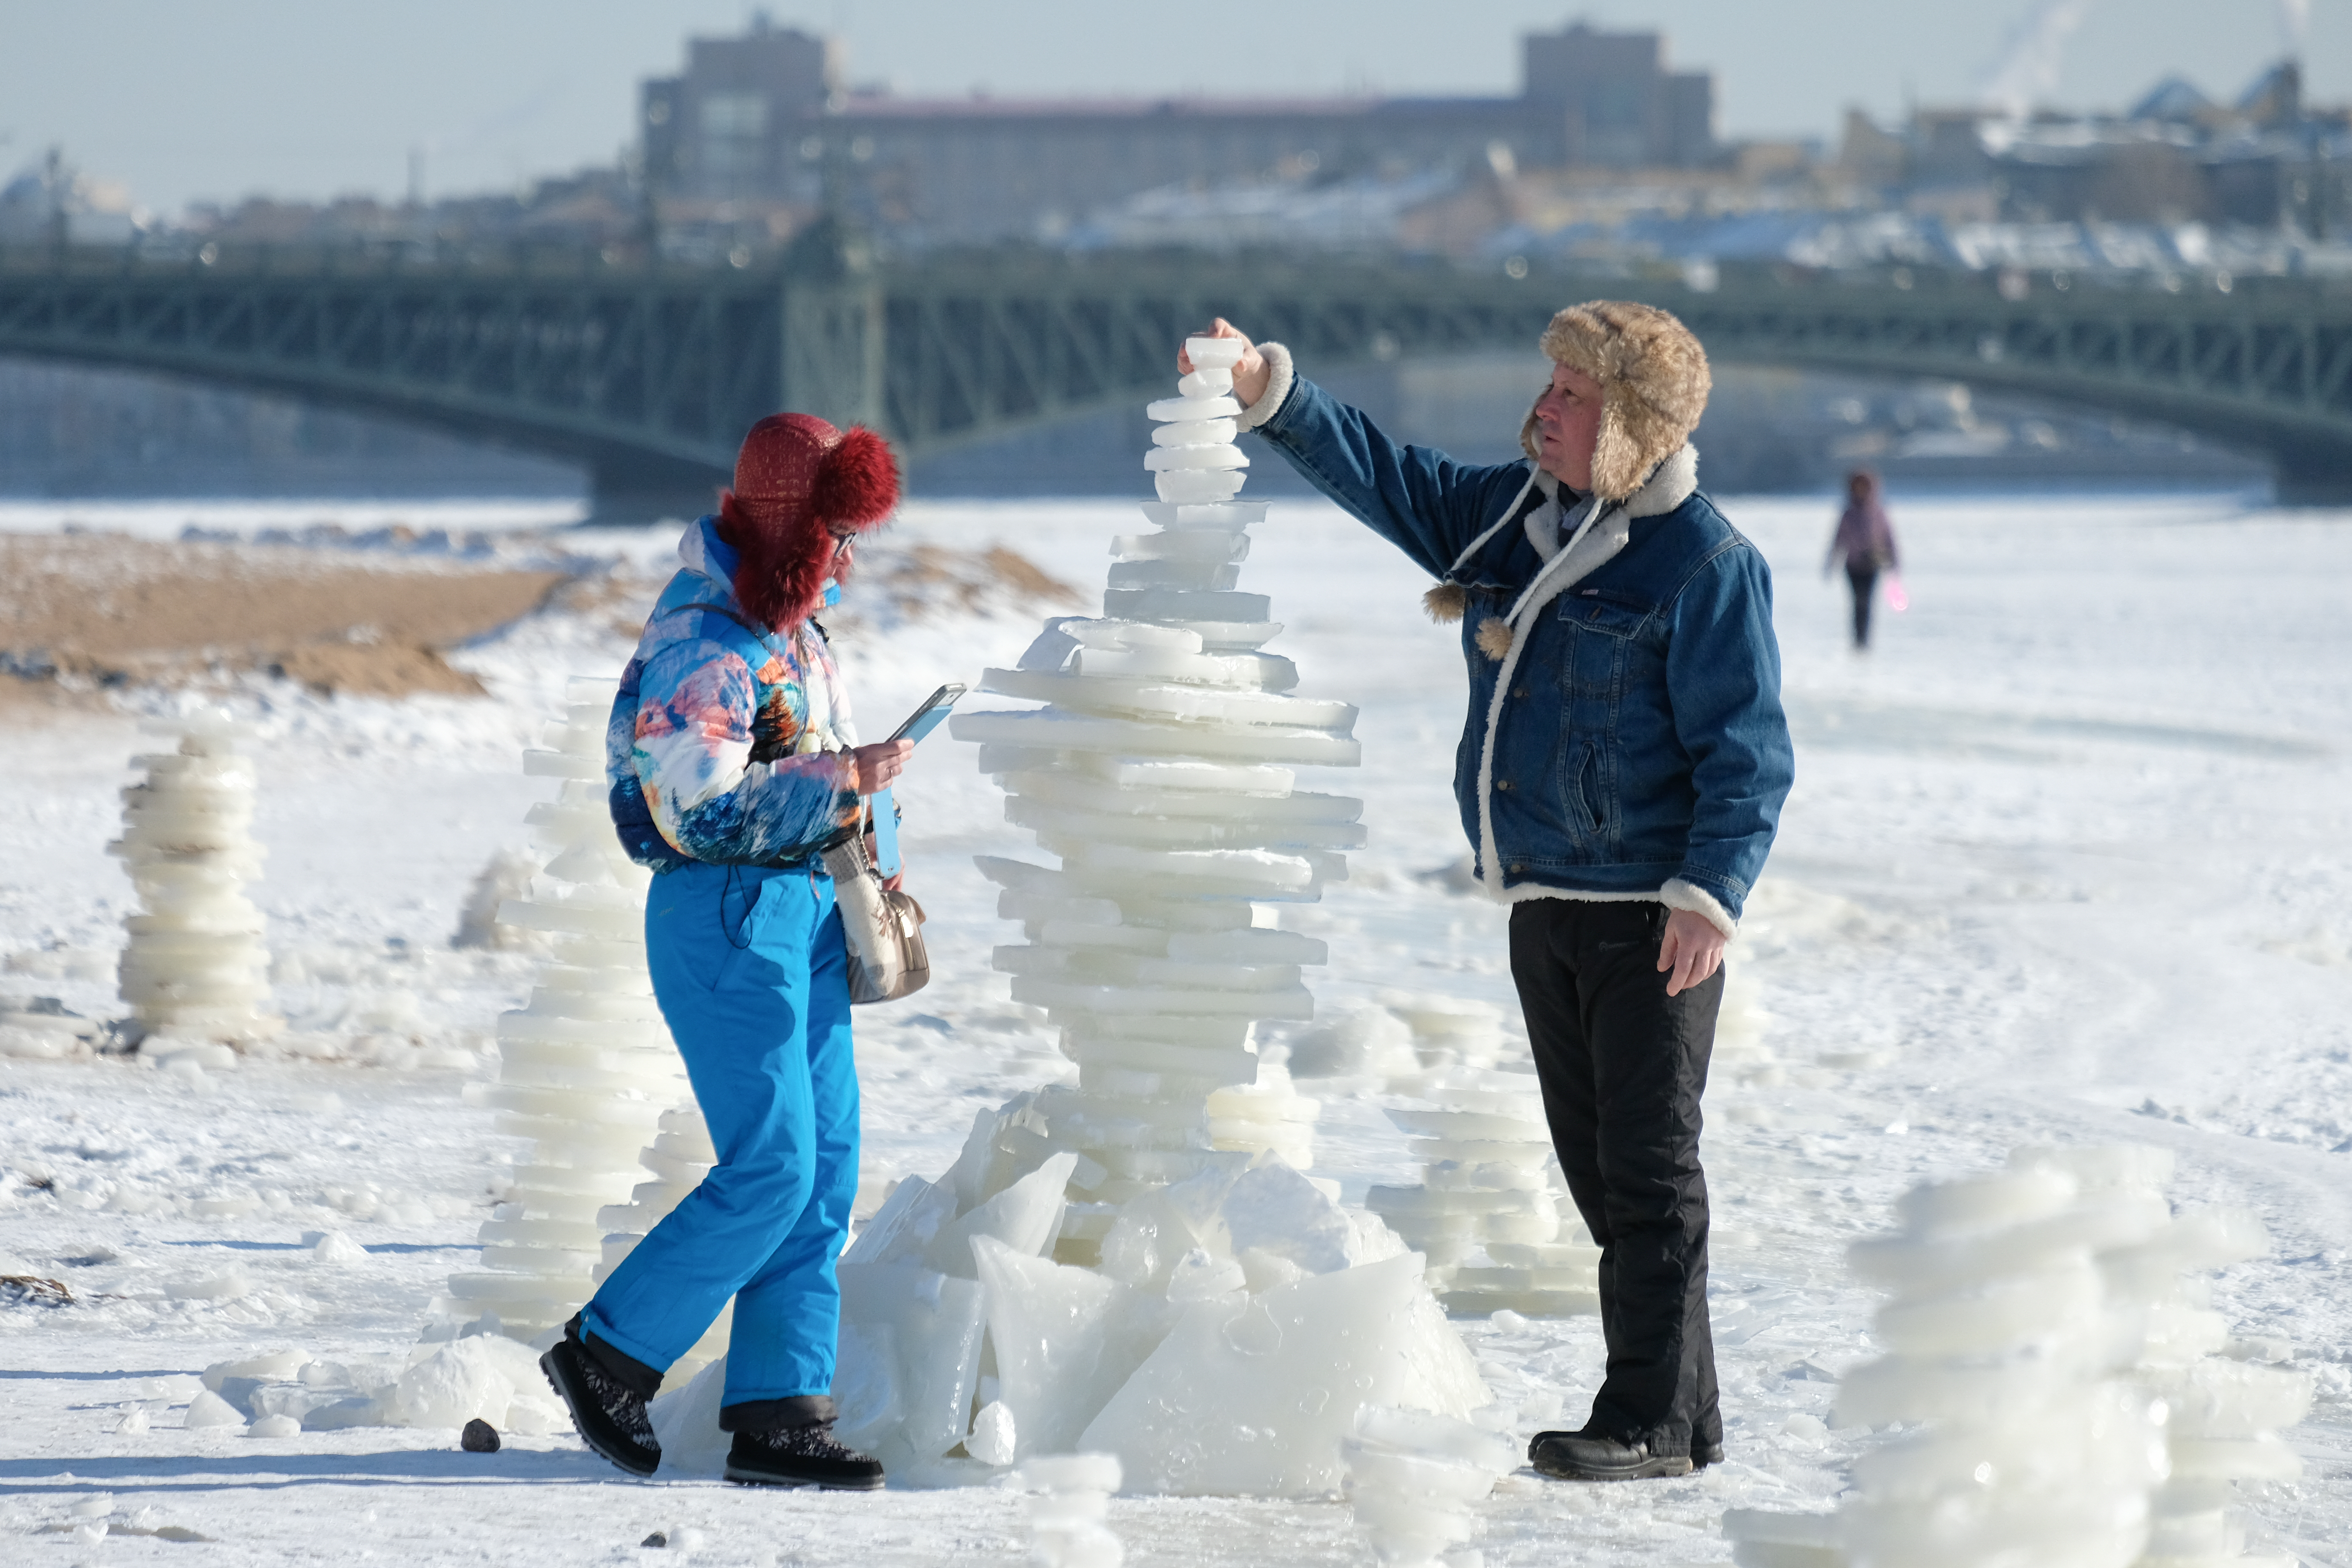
(804, 1456)
(610, 1413)
(1589, 1457)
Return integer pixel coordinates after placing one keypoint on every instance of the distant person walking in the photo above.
(1866, 539)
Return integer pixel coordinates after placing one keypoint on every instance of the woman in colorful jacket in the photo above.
(1620, 776)
(732, 762)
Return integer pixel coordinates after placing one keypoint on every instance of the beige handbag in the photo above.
(888, 959)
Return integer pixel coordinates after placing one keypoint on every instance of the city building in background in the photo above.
(1605, 154)
(763, 122)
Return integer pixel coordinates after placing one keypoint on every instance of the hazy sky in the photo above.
(313, 97)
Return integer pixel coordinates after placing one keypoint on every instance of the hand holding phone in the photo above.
(926, 718)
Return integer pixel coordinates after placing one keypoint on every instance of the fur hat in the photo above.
(801, 487)
(1654, 385)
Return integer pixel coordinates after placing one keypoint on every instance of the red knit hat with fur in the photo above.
(801, 487)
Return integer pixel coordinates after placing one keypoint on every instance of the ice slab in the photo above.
(1196, 433)
(1214, 353)
(1192, 410)
(1024, 1216)
(1065, 1340)
(1276, 1210)
(1184, 485)
(1195, 460)
(1208, 515)
(909, 1357)
(1256, 1400)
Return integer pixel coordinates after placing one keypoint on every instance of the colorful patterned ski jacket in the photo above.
(726, 744)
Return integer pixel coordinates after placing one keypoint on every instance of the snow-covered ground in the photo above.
(2068, 859)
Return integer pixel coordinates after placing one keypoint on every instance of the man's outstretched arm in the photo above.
(1417, 497)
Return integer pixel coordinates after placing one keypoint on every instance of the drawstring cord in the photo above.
(743, 927)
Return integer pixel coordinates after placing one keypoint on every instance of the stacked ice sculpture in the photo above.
(1136, 1255)
(1412, 1480)
(2223, 1414)
(195, 968)
(2040, 1336)
(1067, 1528)
(586, 1068)
(1160, 774)
(1489, 1181)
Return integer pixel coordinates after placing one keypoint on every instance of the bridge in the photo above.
(649, 375)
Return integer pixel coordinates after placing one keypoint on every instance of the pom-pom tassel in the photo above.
(1495, 637)
(1446, 603)
(856, 482)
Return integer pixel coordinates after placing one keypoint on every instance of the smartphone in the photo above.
(926, 718)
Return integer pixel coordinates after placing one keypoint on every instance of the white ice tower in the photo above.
(2051, 1367)
(195, 968)
(1492, 1213)
(587, 1067)
(1161, 773)
(1134, 1265)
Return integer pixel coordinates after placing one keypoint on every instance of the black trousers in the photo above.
(1864, 583)
(1623, 1066)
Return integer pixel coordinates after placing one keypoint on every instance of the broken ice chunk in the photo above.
(1025, 1216)
(1200, 1415)
(1065, 1338)
(993, 1432)
(929, 1328)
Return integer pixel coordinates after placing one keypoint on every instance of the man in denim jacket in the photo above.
(1620, 776)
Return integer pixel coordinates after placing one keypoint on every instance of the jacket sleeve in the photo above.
(1416, 498)
(1723, 680)
(692, 753)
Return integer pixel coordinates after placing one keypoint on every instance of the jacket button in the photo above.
(1502, 784)
(1519, 871)
(1521, 694)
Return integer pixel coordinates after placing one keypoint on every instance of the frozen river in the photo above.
(2069, 860)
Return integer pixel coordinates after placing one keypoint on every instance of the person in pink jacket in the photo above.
(1865, 541)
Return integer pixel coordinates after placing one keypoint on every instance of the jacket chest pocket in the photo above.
(1602, 635)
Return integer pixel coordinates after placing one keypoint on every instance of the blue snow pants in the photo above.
(752, 975)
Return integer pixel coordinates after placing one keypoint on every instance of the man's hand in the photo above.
(878, 765)
(1692, 949)
(1249, 375)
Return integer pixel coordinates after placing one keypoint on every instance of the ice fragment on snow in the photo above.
(209, 1409)
(992, 1436)
(228, 1285)
(335, 1248)
(274, 1426)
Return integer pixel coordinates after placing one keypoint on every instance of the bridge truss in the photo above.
(649, 375)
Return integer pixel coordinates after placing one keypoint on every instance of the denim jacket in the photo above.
(1629, 743)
